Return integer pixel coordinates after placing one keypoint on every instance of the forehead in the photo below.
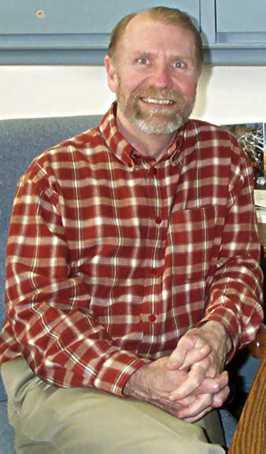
(148, 35)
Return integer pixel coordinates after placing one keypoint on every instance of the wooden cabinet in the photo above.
(77, 31)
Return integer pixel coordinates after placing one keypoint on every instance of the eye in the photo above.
(143, 60)
(179, 64)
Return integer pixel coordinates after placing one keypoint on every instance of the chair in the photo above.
(250, 433)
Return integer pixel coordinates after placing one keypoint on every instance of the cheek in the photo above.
(130, 81)
(188, 88)
(128, 90)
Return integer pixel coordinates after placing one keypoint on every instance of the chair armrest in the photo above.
(250, 434)
(257, 348)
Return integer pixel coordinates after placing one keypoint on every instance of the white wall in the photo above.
(225, 95)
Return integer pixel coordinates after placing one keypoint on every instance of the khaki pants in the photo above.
(53, 420)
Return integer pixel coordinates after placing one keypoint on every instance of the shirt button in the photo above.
(158, 220)
(152, 318)
(156, 271)
(153, 171)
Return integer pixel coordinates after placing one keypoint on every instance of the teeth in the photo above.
(158, 101)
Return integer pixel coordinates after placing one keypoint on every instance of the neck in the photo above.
(148, 145)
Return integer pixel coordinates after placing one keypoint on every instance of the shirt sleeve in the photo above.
(235, 293)
(48, 303)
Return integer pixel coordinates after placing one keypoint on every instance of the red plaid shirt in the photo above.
(111, 258)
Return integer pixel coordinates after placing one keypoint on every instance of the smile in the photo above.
(164, 102)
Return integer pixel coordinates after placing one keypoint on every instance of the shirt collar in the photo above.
(126, 152)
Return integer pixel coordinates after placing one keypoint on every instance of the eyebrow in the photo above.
(149, 54)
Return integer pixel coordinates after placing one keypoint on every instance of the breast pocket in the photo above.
(193, 242)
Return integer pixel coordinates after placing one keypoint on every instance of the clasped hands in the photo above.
(191, 381)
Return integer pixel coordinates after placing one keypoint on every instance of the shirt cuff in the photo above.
(116, 371)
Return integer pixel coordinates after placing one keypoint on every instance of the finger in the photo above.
(170, 407)
(213, 370)
(186, 401)
(191, 348)
(220, 398)
(193, 381)
(200, 405)
(194, 356)
(214, 385)
(177, 357)
(203, 404)
(199, 416)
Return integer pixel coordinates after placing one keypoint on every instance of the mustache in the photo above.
(163, 93)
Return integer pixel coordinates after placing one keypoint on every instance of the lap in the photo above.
(68, 420)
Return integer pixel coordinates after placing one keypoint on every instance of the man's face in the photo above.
(154, 75)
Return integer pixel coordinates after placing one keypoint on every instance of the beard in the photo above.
(156, 119)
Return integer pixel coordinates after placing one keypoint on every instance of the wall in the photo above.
(226, 94)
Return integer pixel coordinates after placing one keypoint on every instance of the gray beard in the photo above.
(147, 122)
(164, 128)
(169, 123)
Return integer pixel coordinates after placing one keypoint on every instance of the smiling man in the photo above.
(132, 265)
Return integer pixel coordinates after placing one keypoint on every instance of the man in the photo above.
(132, 264)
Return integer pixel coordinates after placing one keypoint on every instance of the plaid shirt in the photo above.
(111, 257)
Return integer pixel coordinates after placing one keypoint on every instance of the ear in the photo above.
(112, 76)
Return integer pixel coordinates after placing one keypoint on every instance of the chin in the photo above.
(158, 127)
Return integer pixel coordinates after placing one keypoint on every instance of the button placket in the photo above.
(149, 317)
(157, 220)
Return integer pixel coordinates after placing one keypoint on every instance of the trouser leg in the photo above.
(53, 420)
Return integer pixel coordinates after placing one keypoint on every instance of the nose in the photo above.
(161, 76)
